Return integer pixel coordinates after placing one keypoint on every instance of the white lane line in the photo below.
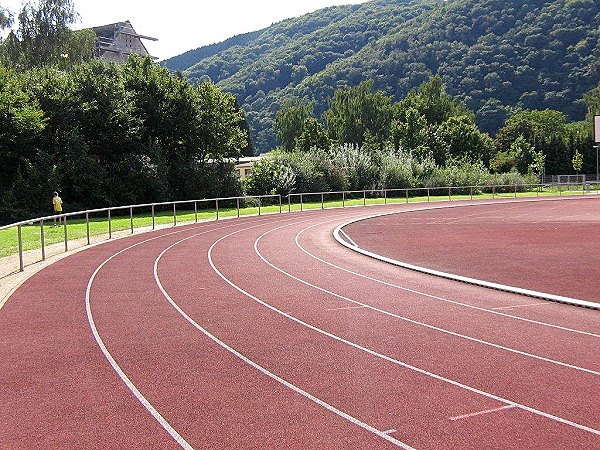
(349, 239)
(481, 413)
(113, 363)
(435, 297)
(416, 322)
(392, 431)
(111, 360)
(451, 276)
(343, 308)
(390, 359)
(525, 305)
(257, 366)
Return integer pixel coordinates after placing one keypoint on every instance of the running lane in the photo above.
(265, 333)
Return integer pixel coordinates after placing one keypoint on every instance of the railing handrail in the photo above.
(62, 218)
(139, 205)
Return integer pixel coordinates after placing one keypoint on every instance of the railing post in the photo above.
(237, 202)
(427, 194)
(515, 190)
(279, 203)
(385, 196)
(364, 198)
(301, 205)
(174, 214)
(217, 208)
(87, 227)
(42, 240)
(66, 238)
(153, 220)
(195, 212)
(471, 192)
(493, 191)
(406, 195)
(259, 203)
(343, 199)
(20, 245)
(109, 226)
(449, 193)
(322, 202)
(131, 218)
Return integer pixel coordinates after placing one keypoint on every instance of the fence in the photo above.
(193, 210)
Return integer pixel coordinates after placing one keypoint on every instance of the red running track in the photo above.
(550, 247)
(265, 333)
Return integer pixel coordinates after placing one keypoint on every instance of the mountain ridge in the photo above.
(496, 57)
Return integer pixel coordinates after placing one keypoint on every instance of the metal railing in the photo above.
(298, 200)
(108, 215)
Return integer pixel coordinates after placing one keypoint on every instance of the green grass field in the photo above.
(77, 228)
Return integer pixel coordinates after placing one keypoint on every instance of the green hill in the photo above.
(495, 55)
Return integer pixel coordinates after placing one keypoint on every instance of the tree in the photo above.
(355, 110)
(592, 101)
(462, 138)
(577, 162)
(290, 120)
(431, 100)
(408, 131)
(5, 19)
(43, 37)
(313, 135)
(533, 126)
(21, 124)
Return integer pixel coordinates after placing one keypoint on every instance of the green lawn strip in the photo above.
(76, 227)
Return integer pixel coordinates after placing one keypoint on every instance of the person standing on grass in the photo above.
(56, 205)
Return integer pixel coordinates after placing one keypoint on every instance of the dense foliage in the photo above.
(498, 57)
(111, 135)
(427, 139)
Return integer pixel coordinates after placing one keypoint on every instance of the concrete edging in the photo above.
(337, 234)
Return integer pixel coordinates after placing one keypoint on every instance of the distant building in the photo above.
(115, 42)
(244, 165)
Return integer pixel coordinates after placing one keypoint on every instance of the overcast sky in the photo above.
(181, 25)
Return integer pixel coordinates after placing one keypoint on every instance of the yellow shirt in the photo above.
(57, 203)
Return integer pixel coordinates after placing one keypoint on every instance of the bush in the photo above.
(459, 172)
(361, 170)
(506, 182)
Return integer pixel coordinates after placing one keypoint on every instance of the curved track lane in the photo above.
(265, 333)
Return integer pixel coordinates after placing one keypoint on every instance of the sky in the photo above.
(182, 25)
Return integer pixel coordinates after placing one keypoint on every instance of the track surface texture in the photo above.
(265, 332)
(547, 247)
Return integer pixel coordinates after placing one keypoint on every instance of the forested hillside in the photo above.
(496, 56)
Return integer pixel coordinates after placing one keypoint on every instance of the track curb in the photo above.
(339, 234)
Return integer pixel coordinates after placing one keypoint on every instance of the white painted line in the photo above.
(480, 413)
(392, 431)
(390, 359)
(468, 280)
(255, 365)
(435, 297)
(349, 239)
(113, 363)
(111, 360)
(345, 308)
(416, 322)
(526, 305)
